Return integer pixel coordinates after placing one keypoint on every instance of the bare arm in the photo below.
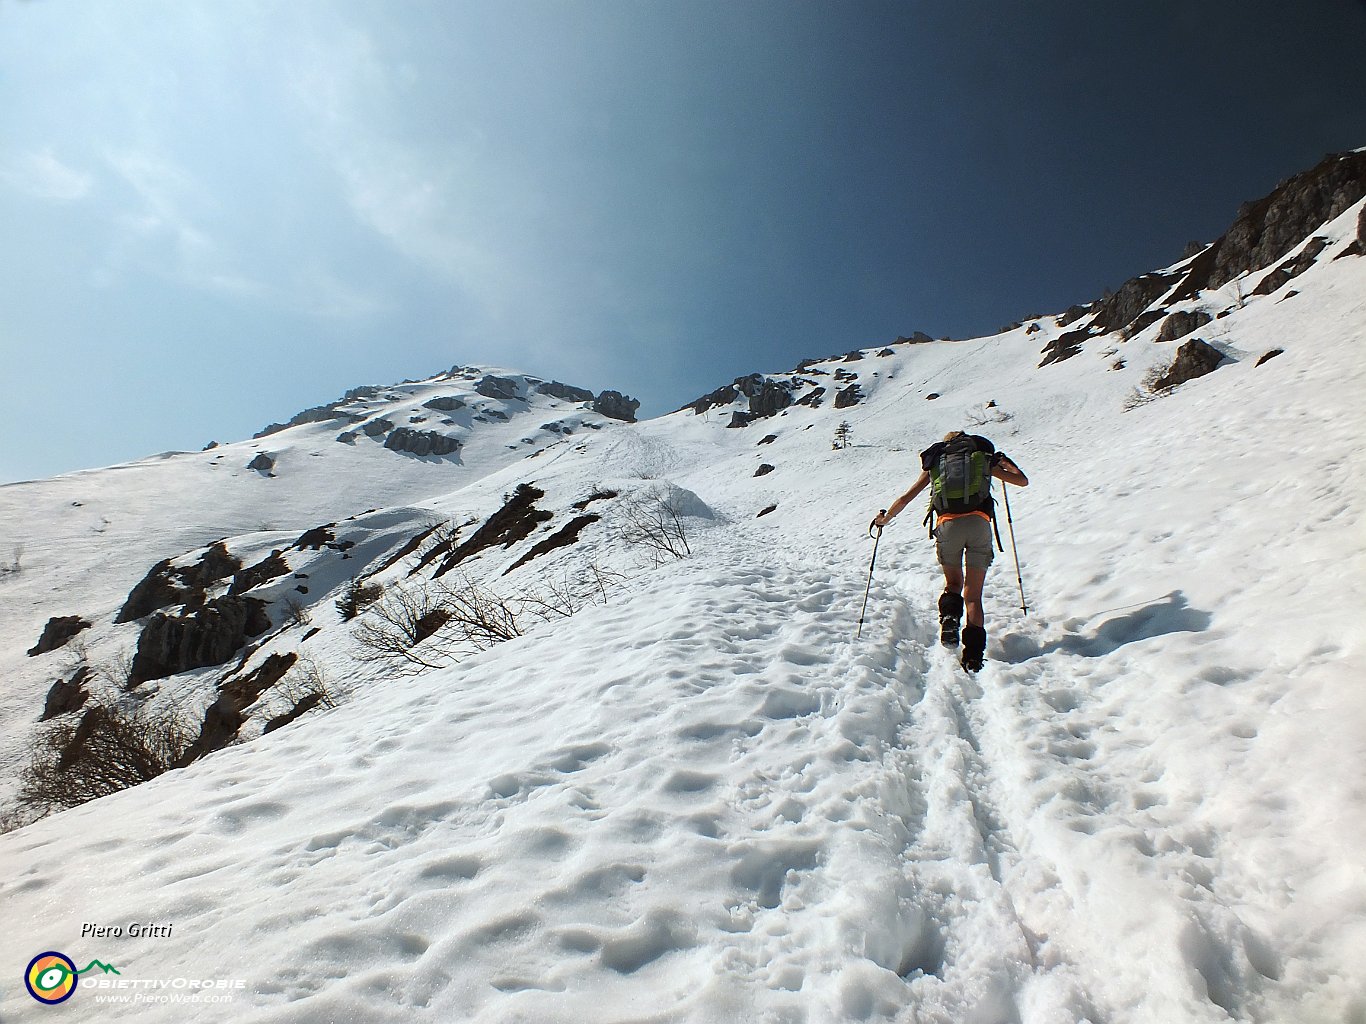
(1005, 469)
(921, 482)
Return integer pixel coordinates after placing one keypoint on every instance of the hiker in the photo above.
(959, 469)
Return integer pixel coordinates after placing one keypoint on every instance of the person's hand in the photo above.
(881, 519)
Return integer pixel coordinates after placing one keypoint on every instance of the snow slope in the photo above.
(704, 800)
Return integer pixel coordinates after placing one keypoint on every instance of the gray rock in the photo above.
(1181, 323)
(446, 403)
(210, 635)
(263, 463)
(766, 397)
(421, 442)
(851, 395)
(498, 387)
(615, 405)
(565, 392)
(1193, 359)
(60, 629)
(721, 396)
(1291, 268)
(376, 427)
(1265, 230)
(67, 696)
(1133, 297)
(156, 590)
(764, 469)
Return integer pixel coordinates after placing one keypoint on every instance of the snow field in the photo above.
(703, 801)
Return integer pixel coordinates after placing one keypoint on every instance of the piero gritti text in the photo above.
(136, 930)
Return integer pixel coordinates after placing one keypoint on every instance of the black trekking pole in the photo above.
(876, 539)
(1010, 524)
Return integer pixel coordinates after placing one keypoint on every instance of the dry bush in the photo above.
(395, 629)
(356, 597)
(296, 612)
(570, 593)
(654, 522)
(110, 748)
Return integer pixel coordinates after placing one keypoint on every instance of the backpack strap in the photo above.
(929, 518)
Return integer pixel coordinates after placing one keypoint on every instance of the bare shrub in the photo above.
(302, 690)
(570, 593)
(306, 679)
(480, 617)
(654, 522)
(396, 627)
(16, 563)
(356, 597)
(109, 749)
(296, 612)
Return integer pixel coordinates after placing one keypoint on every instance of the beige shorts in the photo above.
(966, 539)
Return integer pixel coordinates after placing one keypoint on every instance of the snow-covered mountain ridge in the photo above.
(699, 799)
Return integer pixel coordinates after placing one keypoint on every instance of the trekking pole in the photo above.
(876, 539)
(1010, 524)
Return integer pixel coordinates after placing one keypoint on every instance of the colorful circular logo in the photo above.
(51, 977)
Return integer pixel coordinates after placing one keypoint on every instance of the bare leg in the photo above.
(972, 593)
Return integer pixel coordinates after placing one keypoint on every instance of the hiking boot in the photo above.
(950, 611)
(974, 647)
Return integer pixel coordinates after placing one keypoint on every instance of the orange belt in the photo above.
(959, 515)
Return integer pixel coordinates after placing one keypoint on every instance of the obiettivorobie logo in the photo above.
(51, 977)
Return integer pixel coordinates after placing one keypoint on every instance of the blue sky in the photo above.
(216, 214)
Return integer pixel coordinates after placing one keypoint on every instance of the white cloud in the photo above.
(165, 229)
(40, 174)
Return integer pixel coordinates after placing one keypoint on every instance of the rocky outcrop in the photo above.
(67, 695)
(764, 469)
(566, 535)
(1181, 323)
(155, 591)
(273, 566)
(421, 442)
(1269, 354)
(564, 392)
(445, 403)
(376, 427)
(58, 631)
(1193, 359)
(1134, 296)
(305, 704)
(164, 585)
(1291, 268)
(614, 405)
(1265, 230)
(721, 396)
(498, 387)
(244, 689)
(263, 463)
(1064, 346)
(767, 397)
(207, 636)
(918, 338)
(323, 413)
(515, 521)
(851, 395)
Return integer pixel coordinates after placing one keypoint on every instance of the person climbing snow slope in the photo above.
(958, 470)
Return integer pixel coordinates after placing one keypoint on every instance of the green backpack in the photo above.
(960, 478)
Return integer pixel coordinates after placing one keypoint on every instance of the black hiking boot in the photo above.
(950, 611)
(974, 647)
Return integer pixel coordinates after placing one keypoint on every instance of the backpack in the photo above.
(960, 476)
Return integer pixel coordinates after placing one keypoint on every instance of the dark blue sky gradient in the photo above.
(220, 214)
